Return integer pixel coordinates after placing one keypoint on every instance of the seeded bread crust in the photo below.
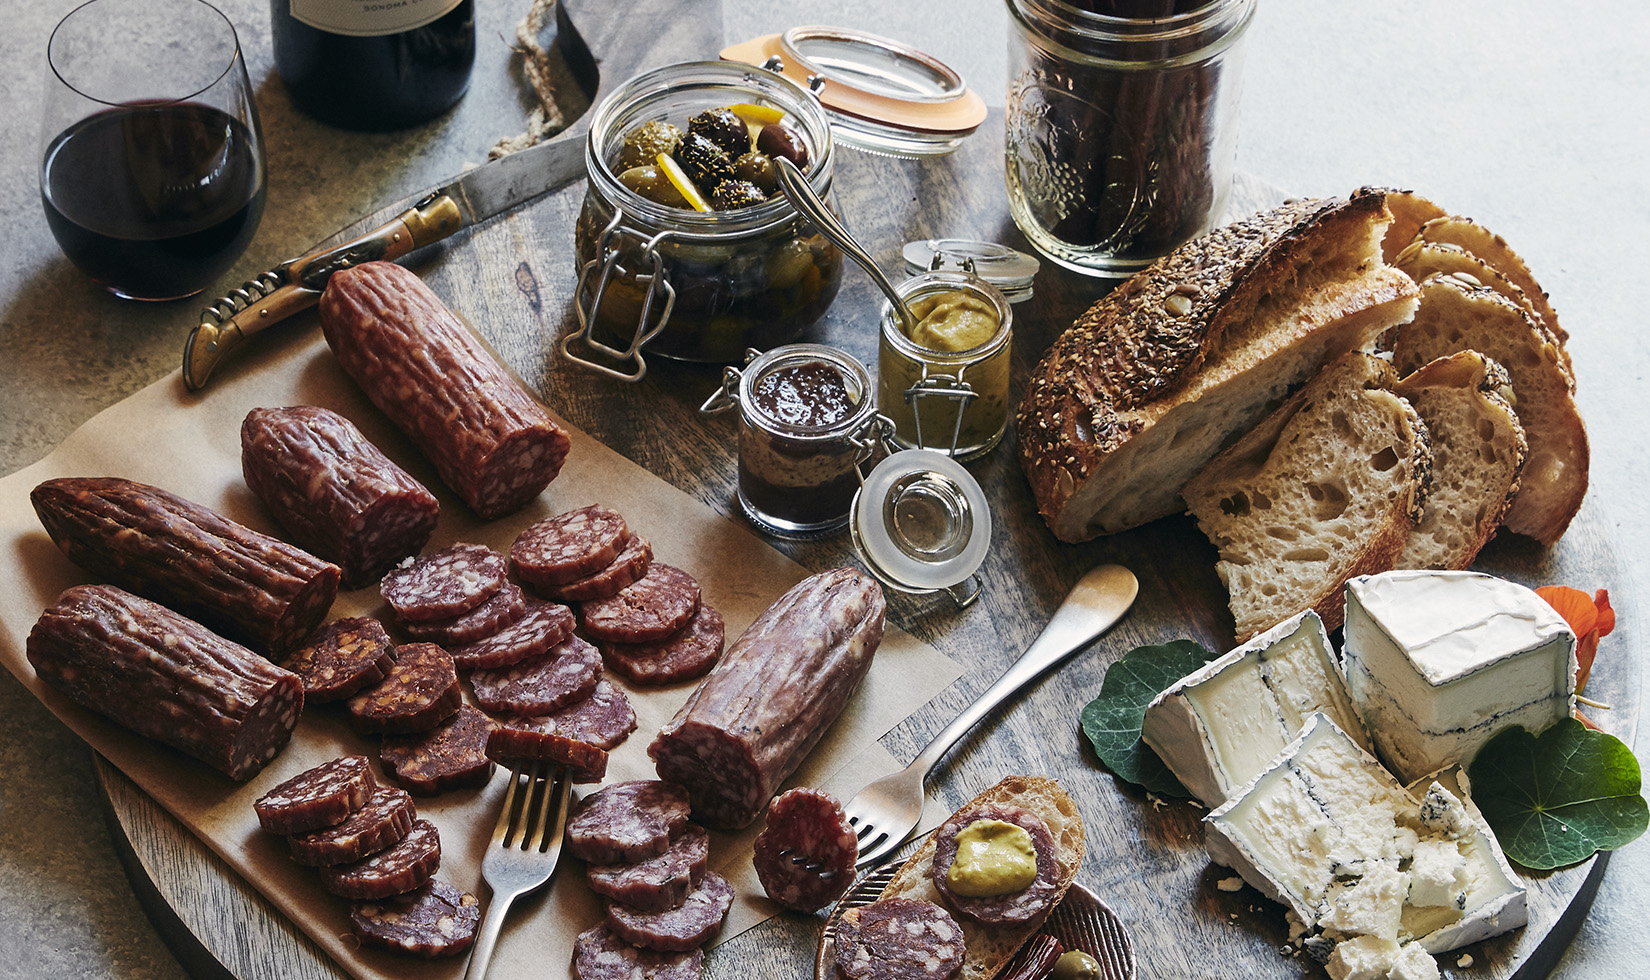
(1421, 259)
(1478, 453)
(1158, 375)
(1493, 249)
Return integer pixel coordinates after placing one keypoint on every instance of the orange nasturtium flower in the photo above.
(1590, 619)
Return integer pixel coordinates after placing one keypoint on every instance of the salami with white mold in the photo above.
(769, 700)
(248, 586)
(687, 926)
(433, 920)
(166, 677)
(317, 797)
(658, 883)
(490, 440)
(403, 866)
(334, 492)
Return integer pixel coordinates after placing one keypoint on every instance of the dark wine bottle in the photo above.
(374, 64)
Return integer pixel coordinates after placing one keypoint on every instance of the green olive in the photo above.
(650, 182)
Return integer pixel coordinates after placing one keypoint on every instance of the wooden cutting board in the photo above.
(513, 278)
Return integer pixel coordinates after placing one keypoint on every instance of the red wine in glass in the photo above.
(166, 195)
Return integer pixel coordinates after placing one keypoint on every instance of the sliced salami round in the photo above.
(435, 920)
(345, 656)
(897, 939)
(396, 870)
(504, 608)
(657, 605)
(627, 822)
(604, 719)
(451, 755)
(544, 625)
(420, 693)
(600, 955)
(805, 855)
(540, 685)
(316, 798)
(444, 583)
(688, 653)
(569, 546)
(630, 565)
(1020, 906)
(385, 818)
(659, 883)
(687, 926)
(509, 746)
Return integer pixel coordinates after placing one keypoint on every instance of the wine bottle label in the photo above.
(369, 18)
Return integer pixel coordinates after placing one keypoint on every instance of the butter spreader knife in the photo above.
(296, 284)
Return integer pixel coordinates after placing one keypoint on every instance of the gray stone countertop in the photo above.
(1528, 116)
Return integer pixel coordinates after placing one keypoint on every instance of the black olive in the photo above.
(757, 168)
(780, 140)
(731, 194)
(643, 144)
(724, 128)
(650, 182)
(703, 161)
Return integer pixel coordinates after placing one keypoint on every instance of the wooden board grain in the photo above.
(1146, 858)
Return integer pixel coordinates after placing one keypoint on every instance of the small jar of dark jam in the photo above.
(807, 419)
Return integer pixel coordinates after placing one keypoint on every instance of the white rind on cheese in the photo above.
(1220, 725)
(1328, 832)
(1439, 662)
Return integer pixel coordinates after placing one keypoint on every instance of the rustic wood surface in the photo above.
(1146, 859)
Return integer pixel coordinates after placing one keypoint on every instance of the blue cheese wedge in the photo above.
(1367, 867)
(1438, 662)
(1219, 726)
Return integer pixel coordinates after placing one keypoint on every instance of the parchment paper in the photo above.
(191, 445)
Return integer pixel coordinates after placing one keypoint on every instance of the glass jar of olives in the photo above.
(684, 243)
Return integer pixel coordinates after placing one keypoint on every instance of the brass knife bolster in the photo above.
(296, 285)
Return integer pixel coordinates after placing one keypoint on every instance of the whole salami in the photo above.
(487, 437)
(248, 586)
(333, 491)
(166, 677)
(769, 700)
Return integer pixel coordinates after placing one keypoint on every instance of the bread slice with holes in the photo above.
(1160, 374)
(1458, 313)
(1478, 452)
(992, 946)
(1474, 238)
(1326, 488)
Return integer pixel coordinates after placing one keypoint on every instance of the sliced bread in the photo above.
(1326, 488)
(991, 946)
(1456, 314)
(1160, 374)
(1493, 249)
(1409, 212)
(1423, 258)
(1478, 452)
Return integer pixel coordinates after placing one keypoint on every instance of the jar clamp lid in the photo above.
(921, 524)
(1009, 270)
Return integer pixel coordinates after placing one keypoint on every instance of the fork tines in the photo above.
(528, 803)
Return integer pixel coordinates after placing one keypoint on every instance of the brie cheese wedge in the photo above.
(1220, 725)
(1328, 832)
(1439, 662)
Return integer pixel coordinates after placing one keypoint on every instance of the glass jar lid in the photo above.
(881, 95)
(1010, 271)
(921, 523)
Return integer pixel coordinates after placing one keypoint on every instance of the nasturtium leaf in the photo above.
(1112, 720)
(1555, 799)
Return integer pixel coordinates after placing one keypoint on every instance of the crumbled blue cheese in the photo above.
(1439, 662)
(1219, 726)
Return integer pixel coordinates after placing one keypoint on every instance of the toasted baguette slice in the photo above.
(1457, 314)
(990, 947)
(1493, 249)
(1157, 376)
(1478, 452)
(1326, 488)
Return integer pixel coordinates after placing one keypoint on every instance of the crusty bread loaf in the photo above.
(1157, 376)
(989, 947)
(1326, 488)
(1457, 314)
(1478, 452)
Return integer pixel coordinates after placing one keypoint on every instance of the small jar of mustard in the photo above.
(943, 381)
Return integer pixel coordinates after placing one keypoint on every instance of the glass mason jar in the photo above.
(692, 285)
(950, 401)
(1121, 129)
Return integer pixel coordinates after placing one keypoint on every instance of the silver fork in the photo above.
(884, 813)
(525, 847)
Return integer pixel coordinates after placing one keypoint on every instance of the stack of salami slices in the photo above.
(649, 862)
(368, 845)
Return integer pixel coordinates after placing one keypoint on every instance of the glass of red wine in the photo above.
(152, 171)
